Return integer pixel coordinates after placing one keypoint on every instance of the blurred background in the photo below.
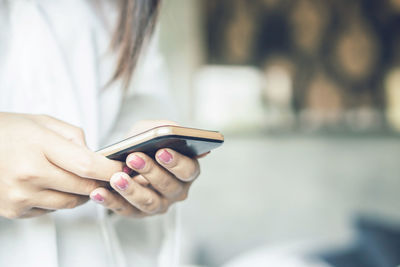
(307, 93)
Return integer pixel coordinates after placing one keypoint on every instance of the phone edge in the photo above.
(160, 131)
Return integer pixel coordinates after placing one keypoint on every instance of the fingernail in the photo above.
(122, 183)
(165, 156)
(98, 198)
(137, 162)
(127, 170)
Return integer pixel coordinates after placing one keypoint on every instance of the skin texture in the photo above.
(46, 166)
(159, 182)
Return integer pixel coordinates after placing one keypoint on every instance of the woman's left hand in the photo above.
(159, 183)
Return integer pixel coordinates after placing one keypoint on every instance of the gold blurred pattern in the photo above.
(395, 4)
(308, 20)
(340, 52)
(271, 3)
(239, 33)
(356, 51)
(392, 90)
(324, 96)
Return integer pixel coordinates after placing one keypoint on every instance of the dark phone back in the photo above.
(189, 146)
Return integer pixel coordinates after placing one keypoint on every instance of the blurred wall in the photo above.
(304, 153)
(182, 45)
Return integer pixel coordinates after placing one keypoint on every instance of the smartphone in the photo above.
(187, 141)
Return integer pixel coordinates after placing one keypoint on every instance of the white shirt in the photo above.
(55, 60)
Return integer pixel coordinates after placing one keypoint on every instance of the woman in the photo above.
(56, 60)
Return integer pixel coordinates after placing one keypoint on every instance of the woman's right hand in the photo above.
(45, 166)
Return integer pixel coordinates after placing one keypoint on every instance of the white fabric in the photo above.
(55, 60)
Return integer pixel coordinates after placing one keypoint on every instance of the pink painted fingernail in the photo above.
(122, 183)
(127, 170)
(98, 198)
(165, 156)
(137, 162)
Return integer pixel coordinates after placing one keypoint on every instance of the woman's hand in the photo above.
(159, 183)
(45, 166)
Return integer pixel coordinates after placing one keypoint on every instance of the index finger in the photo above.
(79, 160)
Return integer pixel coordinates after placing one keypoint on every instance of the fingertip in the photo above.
(98, 195)
(116, 176)
(136, 161)
(169, 150)
(120, 181)
(165, 155)
(183, 167)
(97, 190)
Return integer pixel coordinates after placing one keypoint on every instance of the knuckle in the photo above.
(150, 204)
(17, 198)
(25, 173)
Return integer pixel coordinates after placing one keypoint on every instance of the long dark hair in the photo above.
(135, 25)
